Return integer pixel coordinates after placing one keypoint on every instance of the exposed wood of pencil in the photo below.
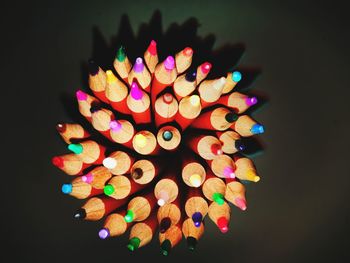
(97, 207)
(165, 109)
(182, 87)
(211, 90)
(84, 103)
(171, 211)
(235, 194)
(206, 146)
(123, 162)
(124, 134)
(100, 120)
(189, 110)
(223, 166)
(173, 234)
(144, 231)
(116, 224)
(116, 93)
(243, 125)
(97, 177)
(190, 230)
(123, 186)
(236, 101)
(190, 169)
(183, 59)
(71, 164)
(122, 67)
(141, 207)
(213, 185)
(143, 171)
(213, 120)
(196, 203)
(228, 139)
(216, 212)
(97, 84)
(140, 109)
(149, 146)
(245, 169)
(167, 190)
(92, 153)
(82, 190)
(171, 144)
(69, 131)
(143, 78)
(230, 83)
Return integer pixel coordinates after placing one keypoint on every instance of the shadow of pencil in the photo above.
(170, 41)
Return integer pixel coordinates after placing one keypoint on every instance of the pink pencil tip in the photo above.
(205, 67)
(169, 63)
(138, 67)
(241, 203)
(228, 172)
(81, 95)
(115, 125)
(87, 178)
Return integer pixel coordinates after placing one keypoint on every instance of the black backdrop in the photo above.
(298, 212)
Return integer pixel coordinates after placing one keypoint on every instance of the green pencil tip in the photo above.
(165, 247)
(129, 217)
(76, 148)
(121, 54)
(134, 243)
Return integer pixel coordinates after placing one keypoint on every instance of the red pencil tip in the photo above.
(216, 149)
(61, 127)
(152, 48)
(223, 224)
(206, 67)
(57, 161)
(188, 51)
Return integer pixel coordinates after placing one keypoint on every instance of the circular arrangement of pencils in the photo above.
(172, 152)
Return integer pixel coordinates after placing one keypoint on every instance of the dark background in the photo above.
(298, 212)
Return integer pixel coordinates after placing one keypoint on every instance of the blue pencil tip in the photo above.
(66, 188)
(257, 129)
(236, 76)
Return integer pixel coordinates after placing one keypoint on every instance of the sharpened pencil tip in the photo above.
(80, 214)
(191, 243)
(103, 233)
(165, 247)
(93, 67)
(164, 225)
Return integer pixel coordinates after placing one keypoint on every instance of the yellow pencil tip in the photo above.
(140, 140)
(110, 76)
(194, 100)
(256, 179)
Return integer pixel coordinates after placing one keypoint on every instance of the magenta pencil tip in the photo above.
(81, 95)
(169, 63)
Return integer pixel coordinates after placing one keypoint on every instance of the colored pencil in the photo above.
(143, 171)
(79, 189)
(223, 166)
(140, 74)
(169, 138)
(169, 215)
(231, 81)
(114, 225)
(193, 173)
(196, 207)
(211, 90)
(246, 126)
(90, 152)
(145, 143)
(183, 59)
(140, 207)
(122, 64)
(220, 215)
(71, 164)
(122, 132)
(151, 56)
(218, 119)
(245, 169)
(185, 84)
(120, 186)
(169, 239)
(165, 109)
(97, 81)
(189, 110)
(239, 102)
(97, 207)
(214, 188)
(97, 177)
(71, 131)
(139, 102)
(166, 189)
(235, 194)
(192, 233)
(231, 142)
(206, 146)
(118, 162)
(116, 93)
(203, 71)
(142, 233)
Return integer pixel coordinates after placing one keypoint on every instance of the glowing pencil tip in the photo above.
(103, 233)
(67, 188)
(236, 76)
(169, 63)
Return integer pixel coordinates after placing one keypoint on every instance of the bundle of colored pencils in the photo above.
(174, 154)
